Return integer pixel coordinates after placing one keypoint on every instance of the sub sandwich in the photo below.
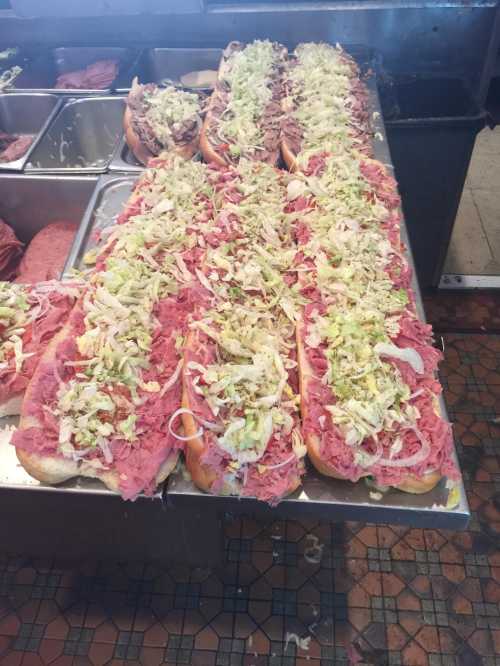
(101, 399)
(240, 390)
(30, 317)
(369, 396)
(325, 105)
(243, 116)
(158, 120)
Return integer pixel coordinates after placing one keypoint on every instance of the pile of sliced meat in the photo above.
(46, 255)
(11, 251)
(98, 76)
(14, 146)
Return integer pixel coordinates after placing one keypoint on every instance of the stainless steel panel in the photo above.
(41, 74)
(50, 8)
(82, 138)
(422, 36)
(107, 202)
(29, 203)
(124, 160)
(160, 65)
(327, 498)
(22, 113)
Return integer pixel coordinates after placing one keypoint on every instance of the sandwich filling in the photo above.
(245, 111)
(164, 118)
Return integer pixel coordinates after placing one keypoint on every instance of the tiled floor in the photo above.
(293, 593)
(475, 243)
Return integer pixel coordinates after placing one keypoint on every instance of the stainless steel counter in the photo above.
(330, 499)
(319, 496)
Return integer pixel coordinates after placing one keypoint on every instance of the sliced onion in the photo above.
(172, 380)
(209, 425)
(415, 459)
(406, 354)
(282, 464)
(183, 438)
(417, 393)
(106, 451)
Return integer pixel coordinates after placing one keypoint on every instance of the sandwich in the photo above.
(102, 397)
(240, 390)
(369, 396)
(325, 105)
(243, 116)
(161, 120)
(30, 317)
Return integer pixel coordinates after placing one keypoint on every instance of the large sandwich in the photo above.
(241, 401)
(244, 112)
(366, 363)
(325, 105)
(159, 120)
(101, 399)
(30, 317)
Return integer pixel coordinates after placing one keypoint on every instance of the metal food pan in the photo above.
(82, 138)
(30, 203)
(331, 499)
(25, 113)
(160, 65)
(41, 74)
(124, 159)
(105, 205)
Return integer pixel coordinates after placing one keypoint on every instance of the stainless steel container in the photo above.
(30, 203)
(160, 65)
(41, 74)
(82, 139)
(106, 204)
(123, 160)
(23, 113)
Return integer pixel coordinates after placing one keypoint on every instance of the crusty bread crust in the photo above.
(411, 484)
(288, 155)
(53, 470)
(143, 154)
(139, 150)
(209, 154)
(419, 486)
(203, 477)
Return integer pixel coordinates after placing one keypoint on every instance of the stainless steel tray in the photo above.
(106, 203)
(124, 160)
(82, 138)
(159, 65)
(24, 113)
(29, 203)
(326, 498)
(41, 74)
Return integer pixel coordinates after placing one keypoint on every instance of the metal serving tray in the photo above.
(107, 202)
(30, 203)
(330, 499)
(25, 113)
(124, 159)
(41, 74)
(82, 138)
(160, 65)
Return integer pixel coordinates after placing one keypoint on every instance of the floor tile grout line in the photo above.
(482, 224)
